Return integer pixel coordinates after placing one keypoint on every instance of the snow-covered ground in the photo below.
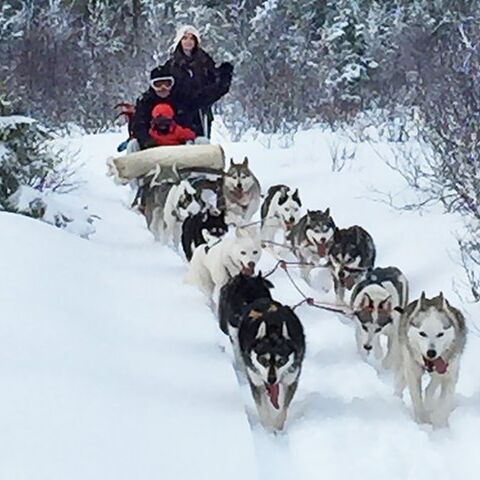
(112, 368)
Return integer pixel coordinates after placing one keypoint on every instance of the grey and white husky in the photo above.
(280, 212)
(311, 239)
(351, 255)
(377, 303)
(241, 193)
(431, 338)
(272, 345)
(155, 192)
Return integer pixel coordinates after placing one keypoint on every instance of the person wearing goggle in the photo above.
(162, 85)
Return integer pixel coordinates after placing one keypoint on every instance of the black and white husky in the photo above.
(182, 201)
(431, 338)
(377, 302)
(280, 212)
(199, 228)
(311, 239)
(241, 193)
(235, 297)
(351, 255)
(272, 345)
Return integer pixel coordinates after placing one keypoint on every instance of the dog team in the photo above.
(412, 339)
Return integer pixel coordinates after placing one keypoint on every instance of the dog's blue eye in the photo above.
(255, 252)
(378, 330)
(422, 334)
(365, 328)
(441, 334)
(243, 253)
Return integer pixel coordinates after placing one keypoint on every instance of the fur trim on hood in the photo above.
(181, 31)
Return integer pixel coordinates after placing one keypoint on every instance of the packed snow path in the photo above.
(110, 367)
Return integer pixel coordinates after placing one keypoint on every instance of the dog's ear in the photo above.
(262, 331)
(231, 163)
(245, 162)
(296, 198)
(386, 305)
(285, 331)
(421, 302)
(327, 212)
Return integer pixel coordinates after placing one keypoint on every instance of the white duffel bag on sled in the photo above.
(137, 164)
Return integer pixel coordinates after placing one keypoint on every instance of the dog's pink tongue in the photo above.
(322, 249)
(273, 391)
(348, 282)
(238, 193)
(440, 365)
(248, 270)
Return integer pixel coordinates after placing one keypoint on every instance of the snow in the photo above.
(13, 120)
(4, 152)
(112, 367)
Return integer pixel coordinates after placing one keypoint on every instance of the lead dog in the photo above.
(272, 345)
(431, 337)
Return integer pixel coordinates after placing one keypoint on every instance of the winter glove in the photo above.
(149, 143)
(225, 70)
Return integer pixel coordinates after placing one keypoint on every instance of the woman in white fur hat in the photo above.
(193, 68)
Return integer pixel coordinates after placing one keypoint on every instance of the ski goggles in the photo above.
(162, 82)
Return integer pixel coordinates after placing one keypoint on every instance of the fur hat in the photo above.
(180, 34)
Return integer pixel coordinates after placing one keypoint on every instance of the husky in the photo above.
(351, 256)
(431, 336)
(199, 228)
(214, 264)
(241, 193)
(182, 201)
(272, 345)
(154, 194)
(377, 303)
(235, 296)
(280, 211)
(311, 238)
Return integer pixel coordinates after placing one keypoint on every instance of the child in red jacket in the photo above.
(164, 130)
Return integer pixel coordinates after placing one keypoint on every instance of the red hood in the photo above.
(163, 110)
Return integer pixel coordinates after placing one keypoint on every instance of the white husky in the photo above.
(182, 201)
(431, 338)
(212, 265)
